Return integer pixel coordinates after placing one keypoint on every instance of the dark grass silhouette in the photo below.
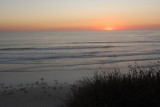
(140, 87)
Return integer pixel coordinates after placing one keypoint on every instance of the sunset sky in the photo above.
(41, 15)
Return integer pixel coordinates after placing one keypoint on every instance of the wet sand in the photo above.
(33, 95)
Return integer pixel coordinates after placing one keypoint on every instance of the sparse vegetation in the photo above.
(140, 87)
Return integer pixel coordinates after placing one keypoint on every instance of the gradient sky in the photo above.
(23, 15)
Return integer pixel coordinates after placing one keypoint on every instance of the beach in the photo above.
(36, 94)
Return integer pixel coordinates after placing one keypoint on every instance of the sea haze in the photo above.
(75, 51)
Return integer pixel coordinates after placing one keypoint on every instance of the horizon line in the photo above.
(76, 30)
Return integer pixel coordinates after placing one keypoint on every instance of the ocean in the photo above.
(68, 55)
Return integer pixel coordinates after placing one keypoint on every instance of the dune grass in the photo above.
(139, 87)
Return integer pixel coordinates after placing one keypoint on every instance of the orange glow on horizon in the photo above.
(109, 28)
(99, 25)
(72, 15)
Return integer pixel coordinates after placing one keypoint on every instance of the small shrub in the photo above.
(138, 87)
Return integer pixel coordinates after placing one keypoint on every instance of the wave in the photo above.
(31, 57)
(114, 42)
(55, 48)
(76, 43)
(27, 69)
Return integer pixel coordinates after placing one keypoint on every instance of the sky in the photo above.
(44, 15)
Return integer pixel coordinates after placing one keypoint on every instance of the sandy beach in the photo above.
(33, 95)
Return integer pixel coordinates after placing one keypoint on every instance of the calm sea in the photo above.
(74, 52)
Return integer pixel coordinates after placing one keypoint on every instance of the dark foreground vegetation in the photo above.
(140, 87)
